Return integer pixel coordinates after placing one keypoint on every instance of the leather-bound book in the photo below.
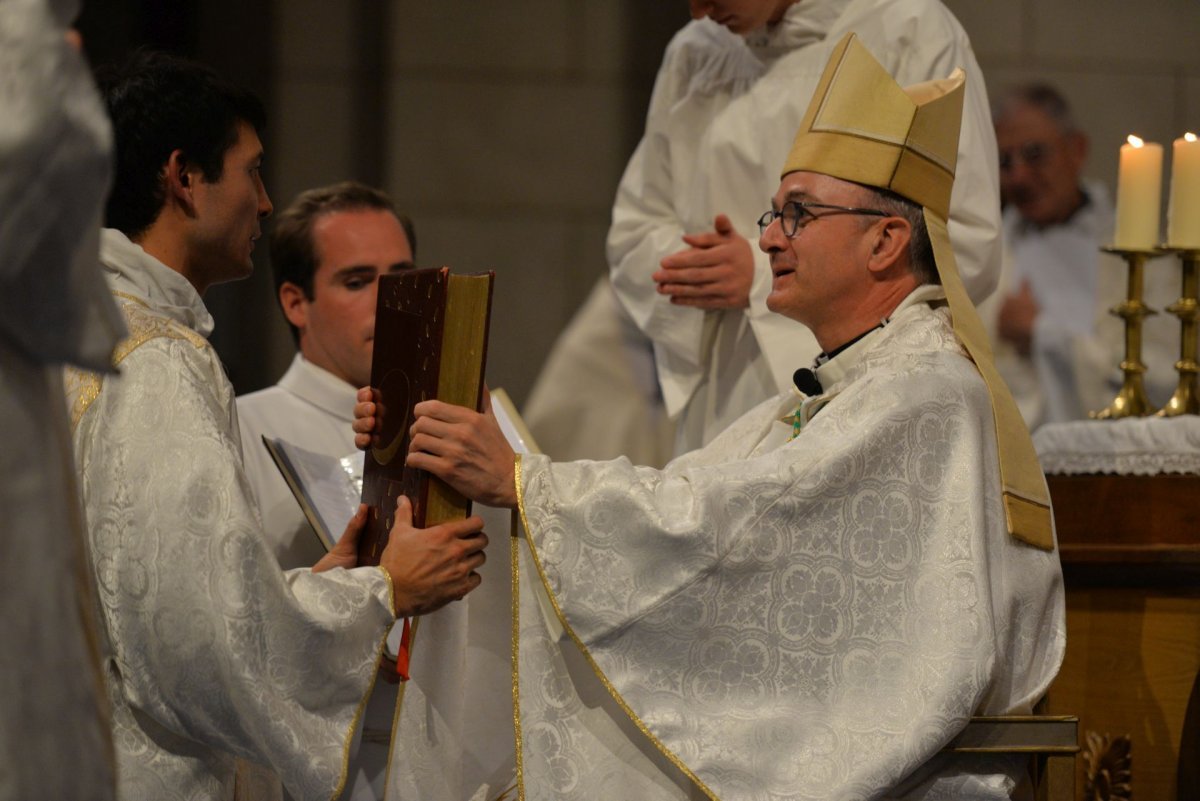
(431, 332)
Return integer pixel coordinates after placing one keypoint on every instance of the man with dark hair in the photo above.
(328, 249)
(214, 653)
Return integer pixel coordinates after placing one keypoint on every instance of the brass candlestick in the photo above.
(1186, 400)
(1131, 401)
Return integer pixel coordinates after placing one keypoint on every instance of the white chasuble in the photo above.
(766, 618)
(215, 652)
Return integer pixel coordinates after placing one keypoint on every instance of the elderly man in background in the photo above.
(1054, 226)
(811, 606)
(1056, 343)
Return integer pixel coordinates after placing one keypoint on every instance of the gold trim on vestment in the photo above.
(83, 386)
(515, 564)
(87, 596)
(362, 705)
(637, 721)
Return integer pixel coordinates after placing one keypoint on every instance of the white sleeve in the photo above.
(646, 227)
(212, 641)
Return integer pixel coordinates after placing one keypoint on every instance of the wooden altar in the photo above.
(1130, 548)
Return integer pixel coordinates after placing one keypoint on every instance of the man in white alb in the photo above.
(328, 249)
(215, 653)
(55, 167)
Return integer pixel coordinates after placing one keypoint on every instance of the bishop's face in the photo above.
(740, 16)
(819, 274)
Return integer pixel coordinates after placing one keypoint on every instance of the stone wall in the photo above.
(502, 128)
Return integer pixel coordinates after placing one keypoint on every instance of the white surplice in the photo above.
(55, 143)
(767, 618)
(721, 121)
(309, 407)
(215, 652)
(597, 394)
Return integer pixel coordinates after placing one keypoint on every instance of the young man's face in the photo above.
(337, 326)
(229, 211)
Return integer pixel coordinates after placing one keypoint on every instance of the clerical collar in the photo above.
(806, 380)
(823, 357)
(829, 370)
(1083, 208)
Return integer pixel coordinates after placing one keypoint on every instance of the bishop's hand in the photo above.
(466, 449)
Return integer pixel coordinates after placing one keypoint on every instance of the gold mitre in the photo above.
(861, 126)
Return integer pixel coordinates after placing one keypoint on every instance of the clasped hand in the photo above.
(715, 271)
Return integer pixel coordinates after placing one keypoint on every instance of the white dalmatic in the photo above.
(215, 653)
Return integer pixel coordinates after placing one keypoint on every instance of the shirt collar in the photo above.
(133, 271)
(1094, 218)
(320, 387)
(831, 372)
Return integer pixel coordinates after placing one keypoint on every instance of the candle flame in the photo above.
(1134, 140)
(1189, 137)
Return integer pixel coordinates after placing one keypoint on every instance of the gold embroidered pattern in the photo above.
(515, 558)
(637, 721)
(83, 386)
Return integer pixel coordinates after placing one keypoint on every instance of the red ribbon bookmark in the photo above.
(402, 652)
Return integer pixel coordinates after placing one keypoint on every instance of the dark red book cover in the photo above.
(430, 342)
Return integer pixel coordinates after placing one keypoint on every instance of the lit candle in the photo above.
(1139, 190)
(1183, 215)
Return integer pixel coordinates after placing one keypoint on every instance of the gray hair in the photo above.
(1041, 96)
(921, 262)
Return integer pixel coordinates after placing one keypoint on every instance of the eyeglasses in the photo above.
(1033, 155)
(796, 214)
